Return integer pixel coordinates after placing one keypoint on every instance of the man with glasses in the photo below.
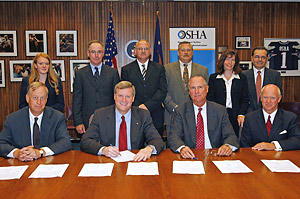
(259, 76)
(178, 75)
(149, 80)
(93, 86)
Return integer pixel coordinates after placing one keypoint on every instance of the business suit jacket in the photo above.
(285, 130)
(270, 77)
(55, 101)
(102, 131)
(53, 131)
(176, 92)
(183, 127)
(239, 93)
(89, 95)
(151, 91)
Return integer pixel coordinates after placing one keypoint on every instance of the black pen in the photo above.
(113, 146)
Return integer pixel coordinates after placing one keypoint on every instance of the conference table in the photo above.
(261, 183)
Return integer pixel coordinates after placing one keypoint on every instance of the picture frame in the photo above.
(59, 69)
(8, 43)
(36, 42)
(284, 55)
(245, 65)
(2, 74)
(74, 66)
(243, 42)
(66, 43)
(19, 69)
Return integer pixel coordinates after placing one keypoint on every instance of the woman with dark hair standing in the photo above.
(42, 71)
(229, 88)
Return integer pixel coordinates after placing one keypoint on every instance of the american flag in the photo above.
(111, 50)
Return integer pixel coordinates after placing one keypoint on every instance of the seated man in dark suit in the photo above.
(34, 131)
(122, 126)
(201, 124)
(271, 128)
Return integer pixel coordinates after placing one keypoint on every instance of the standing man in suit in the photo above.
(201, 124)
(178, 74)
(123, 126)
(259, 76)
(271, 128)
(149, 79)
(34, 131)
(93, 86)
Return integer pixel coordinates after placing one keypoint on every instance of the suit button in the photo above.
(144, 85)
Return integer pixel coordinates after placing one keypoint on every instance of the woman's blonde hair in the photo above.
(35, 76)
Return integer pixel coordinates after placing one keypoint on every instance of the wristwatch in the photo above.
(42, 153)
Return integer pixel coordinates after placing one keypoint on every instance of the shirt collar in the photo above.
(261, 70)
(93, 67)
(196, 108)
(31, 116)
(266, 115)
(232, 76)
(140, 64)
(189, 64)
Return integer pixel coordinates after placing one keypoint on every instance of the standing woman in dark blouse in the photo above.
(41, 70)
(229, 88)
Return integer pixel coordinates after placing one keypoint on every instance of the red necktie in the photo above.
(258, 85)
(200, 131)
(123, 135)
(269, 125)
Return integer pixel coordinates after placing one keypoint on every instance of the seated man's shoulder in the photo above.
(53, 112)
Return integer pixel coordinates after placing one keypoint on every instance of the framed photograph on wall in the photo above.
(19, 69)
(59, 69)
(284, 55)
(2, 74)
(75, 65)
(66, 43)
(36, 42)
(245, 65)
(243, 42)
(8, 43)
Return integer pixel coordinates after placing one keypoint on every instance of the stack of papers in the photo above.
(49, 171)
(12, 172)
(188, 167)
(98, 170)
(281, 166)
(232, 166)
(142, 168)
(125, 156)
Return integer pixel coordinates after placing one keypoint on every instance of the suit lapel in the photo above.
(25, 126)
(211, 119)
(190, 115)
(111, 122)
(45, 127)
(89, 76)
(277, 123)
(134, 129)
(150, 69)
(253, 87)
(260, 120)
(177, 71)
(137, 70)
(102, 77)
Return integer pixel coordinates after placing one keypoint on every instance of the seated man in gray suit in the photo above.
(271, 128)
(122, 126)
(34, 131)
(201, 124)
(178, 74)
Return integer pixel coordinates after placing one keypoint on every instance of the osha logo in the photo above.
(192, 34)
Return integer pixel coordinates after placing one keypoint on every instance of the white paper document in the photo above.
(49, 171)
(281, 166)
(96, 169)
(125, 156)
(12, 172)
(188, 167)
(232, 166)
(142, 168)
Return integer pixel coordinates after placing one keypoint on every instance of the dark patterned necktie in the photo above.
(36, 134)
(186, 77)
(258, 85)
(96, 74)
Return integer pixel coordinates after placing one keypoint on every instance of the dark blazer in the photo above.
(102, 131)
(55, 101)
(176, 92)
(53, 131)
(270, 77)
(151, 91)
(183, 127)
(255, 130)
(88, 95)
(239, 93)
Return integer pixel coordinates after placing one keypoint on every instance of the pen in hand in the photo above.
(113, 146)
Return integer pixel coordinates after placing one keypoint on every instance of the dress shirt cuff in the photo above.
(100, 151)
(48, 151)
(11, 154)
(233, 148)
(277, 146)
(179, 148)
(154, 149)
